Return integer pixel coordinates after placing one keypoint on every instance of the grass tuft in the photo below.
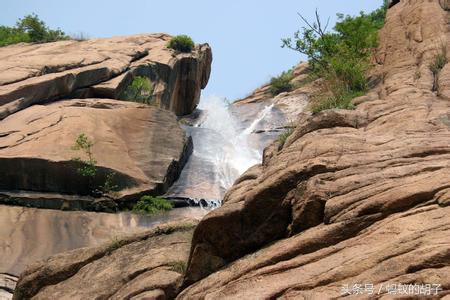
(152, 205)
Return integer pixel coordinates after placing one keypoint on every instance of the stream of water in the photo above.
(222, 151)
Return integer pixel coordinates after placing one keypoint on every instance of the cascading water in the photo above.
(234, 155)
(222, 152)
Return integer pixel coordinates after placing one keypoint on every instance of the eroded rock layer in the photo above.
(102, 68)
(142, 146)
(144, 266)
(352, 197)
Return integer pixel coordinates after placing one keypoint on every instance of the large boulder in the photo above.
(37, 73)
(147, 265)
(143, 146)
(351, 197)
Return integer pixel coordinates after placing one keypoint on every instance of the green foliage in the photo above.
(341, 100)
(342, 56)
(29, 29)
(152, 205)
(115, 244)
(281, 83)
(11, 35)
(109, 187)
(140, 90)
(182, 43)
(439, 61)
(179, 266)
(88, 168)
(283, 137)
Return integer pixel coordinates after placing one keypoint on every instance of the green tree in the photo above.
(140, 90)
(38, 31)
(341, 56)
(89, 166)
(29, 29)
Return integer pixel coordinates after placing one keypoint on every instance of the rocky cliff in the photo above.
(353, 197)
(102, 68)
(148, 265)
(52, 93)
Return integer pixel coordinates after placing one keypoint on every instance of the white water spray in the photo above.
(234, 155)
(260, 117)
(222, 152)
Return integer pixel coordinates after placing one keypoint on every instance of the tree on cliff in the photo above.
(29, 29)
(341, 56)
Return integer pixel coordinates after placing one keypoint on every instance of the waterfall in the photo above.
(222, 152)
(260, 117)
(233, 156)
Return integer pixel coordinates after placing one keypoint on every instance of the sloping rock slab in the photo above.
(135, 267)
(406, 248)
(143, 146)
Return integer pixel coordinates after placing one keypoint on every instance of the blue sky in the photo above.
(245, 36)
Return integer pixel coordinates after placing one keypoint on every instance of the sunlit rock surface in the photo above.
(30, 234)
(351, 197)
(143, 146)
(102, 68)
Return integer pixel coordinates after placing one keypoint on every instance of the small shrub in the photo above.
(109, 187)
(341, 57)
(179, 266)
(140, 90)
(88, 168)
(283, 137)
(115, 244)
(281, 83)
(152, 205)
(340, 101)
(182, 43)
(439, 61)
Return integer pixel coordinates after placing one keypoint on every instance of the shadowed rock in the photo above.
(143, 146)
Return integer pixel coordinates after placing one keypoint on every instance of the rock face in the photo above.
(352, 197)
(7, 286)
(265, 116)
(51, 93)
(143, 266)
(143, 146)
(290, 104)
(101, 68)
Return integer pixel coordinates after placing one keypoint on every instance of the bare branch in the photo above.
(326, 26)
(309, 25)
(318, 28)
